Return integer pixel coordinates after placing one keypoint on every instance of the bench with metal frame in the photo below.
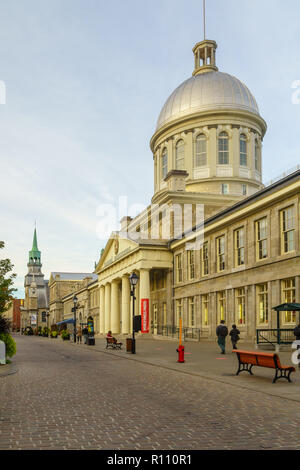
(248, 359)
(113, 343)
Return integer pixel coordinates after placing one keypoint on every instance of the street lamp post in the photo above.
(75, 301)
(133, 282)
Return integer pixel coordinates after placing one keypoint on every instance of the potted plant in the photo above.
(65, 335)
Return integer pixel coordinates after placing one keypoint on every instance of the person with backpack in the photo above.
(234, 334)
(222, 332)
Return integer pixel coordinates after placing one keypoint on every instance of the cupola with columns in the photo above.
(210, 127)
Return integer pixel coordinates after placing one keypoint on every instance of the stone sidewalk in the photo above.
(204, 360)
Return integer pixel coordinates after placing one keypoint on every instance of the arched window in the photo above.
(223, 149)
(179, 155)
(243, 150)
(164, 163)
(257, 156)
(200, 154)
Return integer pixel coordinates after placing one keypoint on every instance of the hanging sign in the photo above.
(145, 315)
(33, 319)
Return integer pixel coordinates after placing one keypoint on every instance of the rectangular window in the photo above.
(262, 304)
(205, 259)
(262, 239)
(244, 189)
(239, 242)
(288, 293)
(287, 222)
(191, 306)
(225, 189)
(205, 304)
(221, 305)
(178, 312)
(179, 268)
(221, 253)
(164, 313)
(240, 306)
(191, 264)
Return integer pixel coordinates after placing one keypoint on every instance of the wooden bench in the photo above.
(113, 343)
(248, 359)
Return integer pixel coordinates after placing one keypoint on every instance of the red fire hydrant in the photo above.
(180, 351)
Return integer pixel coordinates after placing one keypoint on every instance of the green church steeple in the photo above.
(34, 253)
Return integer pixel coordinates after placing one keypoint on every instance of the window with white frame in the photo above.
(221, 296)
(191, 264)
(223, 149)
(178, 261)
(205, 306)
(164, 163)
(191, 310)
(243, 150)
(262, 304)
(225, 188)
(287, 222)
(288, 295)
(240, 306)
(179, 155)
(239, 242)
(201, 151)
(221, 253)
(178, 312)
(205, 259)
(262, 238)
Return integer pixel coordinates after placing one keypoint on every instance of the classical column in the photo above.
(115, 311)
(125, 305)
(107, 307)
(102, 310)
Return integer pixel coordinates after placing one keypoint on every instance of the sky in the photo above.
(85, 82)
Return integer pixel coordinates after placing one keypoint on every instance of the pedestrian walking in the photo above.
(222, 332)
(234, 334)
(297, 334)
(79, 334)
(85, 333)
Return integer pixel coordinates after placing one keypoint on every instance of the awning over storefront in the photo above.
(70, 320)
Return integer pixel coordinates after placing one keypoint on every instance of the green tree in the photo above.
(6, 282)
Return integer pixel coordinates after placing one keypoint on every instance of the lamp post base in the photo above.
(133, 346)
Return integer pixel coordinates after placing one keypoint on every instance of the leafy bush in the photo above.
(53, 334)
(45, 331)
(10, 344)
(4, 324)
(54, 327)
(28, 331)
(65, 335)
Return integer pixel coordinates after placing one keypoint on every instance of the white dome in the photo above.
(206, 92)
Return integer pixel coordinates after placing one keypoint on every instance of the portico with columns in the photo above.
(121, 258)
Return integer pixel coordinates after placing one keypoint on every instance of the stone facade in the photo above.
(242, 257)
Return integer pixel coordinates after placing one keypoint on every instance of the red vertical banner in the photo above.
(145, 315)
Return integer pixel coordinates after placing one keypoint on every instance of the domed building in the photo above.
(241, 257)
(211, 128)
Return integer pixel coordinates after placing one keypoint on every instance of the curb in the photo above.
(9, 369)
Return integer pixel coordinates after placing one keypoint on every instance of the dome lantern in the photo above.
(205, 57)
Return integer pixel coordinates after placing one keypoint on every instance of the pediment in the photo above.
(116, 248)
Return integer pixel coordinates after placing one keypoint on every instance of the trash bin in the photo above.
(128, 344)
(90, 341)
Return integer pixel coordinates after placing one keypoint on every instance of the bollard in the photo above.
(180, 351)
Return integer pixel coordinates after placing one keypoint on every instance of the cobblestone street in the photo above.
(66, 397)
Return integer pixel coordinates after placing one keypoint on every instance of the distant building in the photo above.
(63, 285)
(36, 304)
(14, 314)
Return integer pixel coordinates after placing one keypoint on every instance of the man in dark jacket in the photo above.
(297, 334)
(234, 334)
(222, 332)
